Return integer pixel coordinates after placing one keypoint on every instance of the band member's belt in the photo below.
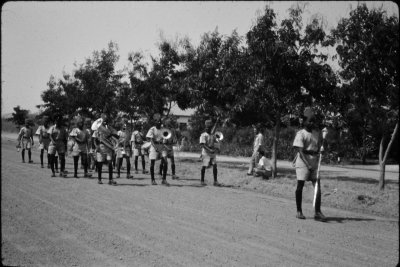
(310, 152)
(157, 143)
(26, 137)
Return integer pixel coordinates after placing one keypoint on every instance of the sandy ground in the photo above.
(76, 222)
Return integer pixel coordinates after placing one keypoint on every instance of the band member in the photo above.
(90, 156)
(104, 153)
(137, 140)
(263, 168)
(80, 147)
(168, 145)
(209, 152)
(58, 144)
(308, 141)
(25, 139)
(155, 137)
(258, 143)
(124, 151)
(44, 140)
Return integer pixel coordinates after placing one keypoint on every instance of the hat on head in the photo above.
(79, 120)
(308, 113)
(156, 116)
(88, 120)
(28, 122)
(208, 123)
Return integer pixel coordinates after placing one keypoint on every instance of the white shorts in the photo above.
(208, 160)
(305, 174)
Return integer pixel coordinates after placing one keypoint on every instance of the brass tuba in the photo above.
(218, 136)
(105, 134)
(166, 133)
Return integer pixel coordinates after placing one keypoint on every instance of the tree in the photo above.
(91, 88)
(284, 61)
(18, 116)
(368, 43)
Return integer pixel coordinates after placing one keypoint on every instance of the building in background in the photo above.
(182, 116)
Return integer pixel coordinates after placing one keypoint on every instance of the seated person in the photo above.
(263, 167)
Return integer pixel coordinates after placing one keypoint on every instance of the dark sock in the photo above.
(128, 165)
(76, 161)
(152, 169)
(99, 169)
(29, 154)
(215, 172)
(203, 171)
(143, 163)
(62, 161)
(165, 169)
(173, 169)
(299, 195)
(23, 154)
(119, 166)
(51, 160)
(136, 162)
(110, 171)
(41, 156)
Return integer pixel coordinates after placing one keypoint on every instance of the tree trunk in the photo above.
(275, 146)
(382, 159)
(364, 152)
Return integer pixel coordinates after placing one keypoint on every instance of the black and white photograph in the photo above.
(199, 133)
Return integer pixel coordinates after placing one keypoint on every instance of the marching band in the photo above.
(99, 143)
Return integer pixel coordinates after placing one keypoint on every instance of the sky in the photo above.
(40, 39)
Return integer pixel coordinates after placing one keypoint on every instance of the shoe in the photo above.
(118, 176)
(153, 182)
(99, 182)
(112, 182)
(320, 217)
(128, 176)
(137, 172)
(203, 183)
(31, 161)
(300, 215)
(53, 175)
(42, 166)
(56, 171)
(249, 173)
(164, 182)
(144, 172)
(174, 177)
(217, 184)
(87, 175)
(48, 167)
(76, 176)
(23, 161)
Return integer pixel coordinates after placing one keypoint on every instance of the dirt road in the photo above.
(76, 222)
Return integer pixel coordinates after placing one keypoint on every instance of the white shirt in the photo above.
(264, 163)
(155, 134)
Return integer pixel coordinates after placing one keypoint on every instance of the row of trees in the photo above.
(269, 75)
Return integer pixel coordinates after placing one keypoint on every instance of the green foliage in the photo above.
(18, 116)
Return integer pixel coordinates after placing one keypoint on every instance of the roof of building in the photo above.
(175, 110)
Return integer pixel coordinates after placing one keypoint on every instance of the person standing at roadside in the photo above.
(25, 139)
(124, 151)
(154, 136)
(44, 140)
(58, 144)
(137, 140)
(80, 148)
(210, 147)
(308, 142)
(257, 144)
